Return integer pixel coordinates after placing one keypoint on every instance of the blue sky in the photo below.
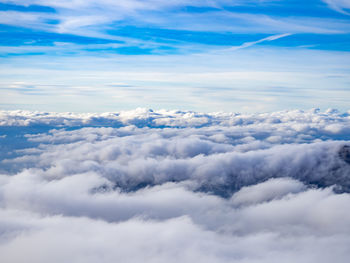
(198, 55)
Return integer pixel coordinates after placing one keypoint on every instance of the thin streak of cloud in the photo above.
(270, 38)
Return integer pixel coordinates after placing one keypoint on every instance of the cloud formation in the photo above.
(341, 6)
(160, 186)
(270, 38)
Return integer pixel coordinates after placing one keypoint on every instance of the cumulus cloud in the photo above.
(160, 186)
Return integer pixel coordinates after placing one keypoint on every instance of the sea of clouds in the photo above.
(175, 186)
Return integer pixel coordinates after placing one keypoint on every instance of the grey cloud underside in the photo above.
(166, 186)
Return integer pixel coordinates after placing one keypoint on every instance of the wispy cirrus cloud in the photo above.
(94, 19)
(342, 6)
(270, 38)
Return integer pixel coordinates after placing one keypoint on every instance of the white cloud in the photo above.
(215, 152)
(27, 19)
(166, 186)
(310, 226)
(267, 191)
(93, 18)
(341, 6)
(270, 38)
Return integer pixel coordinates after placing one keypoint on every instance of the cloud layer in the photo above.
(94, 18)
(166, 186)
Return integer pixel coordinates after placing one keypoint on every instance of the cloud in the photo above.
(341, 6)
(160, 186)
(270, 38)
(216, 153)
(96, 18)
(310, 226)
(31, 20)
(267, 191)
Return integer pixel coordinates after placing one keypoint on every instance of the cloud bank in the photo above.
(166, 186)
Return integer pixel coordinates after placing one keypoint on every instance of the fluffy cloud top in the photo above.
(166, 186)
(331, 120)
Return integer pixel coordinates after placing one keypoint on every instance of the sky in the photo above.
(214, 55)
(154, 131)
